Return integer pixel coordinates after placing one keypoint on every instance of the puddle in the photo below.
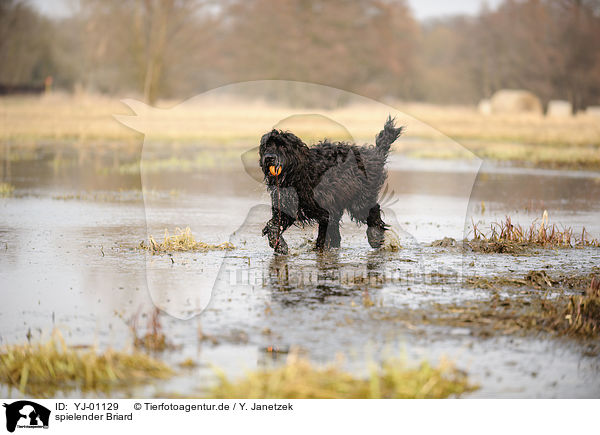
(67, 260)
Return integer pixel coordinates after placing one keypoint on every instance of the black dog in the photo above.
(319, 183)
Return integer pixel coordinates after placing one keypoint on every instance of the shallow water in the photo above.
(67, 260)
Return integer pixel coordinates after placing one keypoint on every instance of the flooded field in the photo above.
(69, 259)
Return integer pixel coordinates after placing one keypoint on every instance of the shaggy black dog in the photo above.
(318, 183)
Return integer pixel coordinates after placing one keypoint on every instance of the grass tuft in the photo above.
(6, 190)
(299, 379)
(41, 369)
(506, 237)
(583, 311)
(155, 339)
(181, 241)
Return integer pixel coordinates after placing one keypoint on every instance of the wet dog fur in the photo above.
(318, 184)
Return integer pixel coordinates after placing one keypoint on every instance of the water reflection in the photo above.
(321, 277)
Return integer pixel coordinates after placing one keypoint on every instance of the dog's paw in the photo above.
(281, 247)
(276, 240)
(278, 243)
(375, 236)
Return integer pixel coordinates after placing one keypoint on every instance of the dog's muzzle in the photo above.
(271, 161)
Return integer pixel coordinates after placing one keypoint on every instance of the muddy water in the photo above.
(66, 260)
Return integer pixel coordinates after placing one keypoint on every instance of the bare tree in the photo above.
(177, 48)
(25, 44)
(365, 47)
(135, 39)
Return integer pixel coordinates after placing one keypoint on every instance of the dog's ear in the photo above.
(250, 160)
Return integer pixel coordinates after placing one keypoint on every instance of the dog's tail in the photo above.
(388, 135)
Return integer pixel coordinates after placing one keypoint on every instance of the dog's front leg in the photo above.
(274, 231)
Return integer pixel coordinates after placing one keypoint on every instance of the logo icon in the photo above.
(26, 414)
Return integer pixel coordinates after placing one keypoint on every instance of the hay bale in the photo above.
(515, 101)
(560, 109)
(485, 107)
(593, 111)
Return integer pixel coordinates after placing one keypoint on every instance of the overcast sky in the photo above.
(422, 9)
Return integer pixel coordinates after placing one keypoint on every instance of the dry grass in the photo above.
(6, 190)
(299, 379)
(545, 155)
(536, 279)
(538, 305)
(155, 339)
(465, 123)
(582, 316)
(30, 120)
(41, 369)
(199, 161)
(506, 237)
(237, 124)
(181, 241)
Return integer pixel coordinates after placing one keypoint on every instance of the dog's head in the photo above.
(281, 154)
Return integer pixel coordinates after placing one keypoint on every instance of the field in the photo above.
(432, 131)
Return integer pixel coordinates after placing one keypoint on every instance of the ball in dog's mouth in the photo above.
(275, 170)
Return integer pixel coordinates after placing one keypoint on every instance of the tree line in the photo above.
(376, 48)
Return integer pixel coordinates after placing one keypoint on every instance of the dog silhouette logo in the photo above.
(186, 292)
(26, 414)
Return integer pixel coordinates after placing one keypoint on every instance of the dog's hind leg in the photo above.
(320, 244)
(329, 234)
(333, 238)
(375, 227)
